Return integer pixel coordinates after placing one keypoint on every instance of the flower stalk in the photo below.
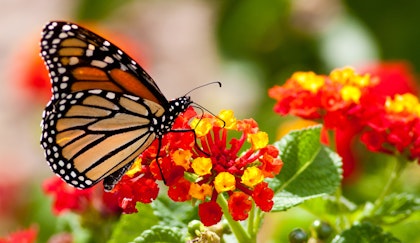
(237, 228)
(399, 165)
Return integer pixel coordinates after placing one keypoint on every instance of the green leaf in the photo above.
(365, 233)
(131, 226)
(327, 207)
(172, 213)
(160, 233)
(310, 169)
(408, 230)
(395, 208)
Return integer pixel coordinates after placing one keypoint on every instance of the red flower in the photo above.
(179, 190)
(129, 191)
(239, 205)
(210, 213)
(270, 162)
(263, 196)
(23, 236)
(395, 77)
(67, 198)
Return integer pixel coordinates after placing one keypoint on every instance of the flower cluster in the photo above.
(334, 98)
(395, 129)
(345, 100)
(25, 236)
(202, 170)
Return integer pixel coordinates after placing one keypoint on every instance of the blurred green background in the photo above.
(248, 45)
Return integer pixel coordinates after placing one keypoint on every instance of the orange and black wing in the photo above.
(95, 134)
(90, 129)
(78, 59)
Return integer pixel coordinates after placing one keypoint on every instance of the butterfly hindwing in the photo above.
(78, 59)
(90, 135)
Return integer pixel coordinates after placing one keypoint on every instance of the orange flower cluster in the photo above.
(335, 98)
(201, 171)
(346, 100)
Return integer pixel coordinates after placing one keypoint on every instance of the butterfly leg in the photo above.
(111, 180)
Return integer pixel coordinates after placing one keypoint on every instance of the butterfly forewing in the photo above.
(78, 59)
(91, 134)
(105, 109)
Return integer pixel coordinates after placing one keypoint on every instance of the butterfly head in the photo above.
(179, 105)
(164, 124)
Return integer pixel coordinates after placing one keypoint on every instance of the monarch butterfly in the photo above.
(105, 110)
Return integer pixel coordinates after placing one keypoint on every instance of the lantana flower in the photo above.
(67, 198)
(334, 98)
(25, 236)
(345, 100)
(396, 127)
(199, 163)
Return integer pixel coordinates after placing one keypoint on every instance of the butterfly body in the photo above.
(105, 109)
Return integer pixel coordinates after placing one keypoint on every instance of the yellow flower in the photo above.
(258, 140)
(348, 76)
(200, 191)
(252, 176)
(135, 167)
(182, 157)
(403, 103)
(224, 181)
(228, 117)
(201, 126)
(350, 93)
(309, 80)
(202, 166)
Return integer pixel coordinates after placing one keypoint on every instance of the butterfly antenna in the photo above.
(211, 113)
(195, 135)
(207, 84)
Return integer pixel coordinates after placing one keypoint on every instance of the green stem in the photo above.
(331, 140)
(251, 217)
(399, 166)
(238, 230)
(342, 221)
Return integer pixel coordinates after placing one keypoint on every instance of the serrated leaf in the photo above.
(365, 233)
(131, 226)
(310, 169)
(395, 208)
(160, 233)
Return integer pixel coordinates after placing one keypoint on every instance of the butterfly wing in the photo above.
(78, 60)
(105, 109)
(93, 134)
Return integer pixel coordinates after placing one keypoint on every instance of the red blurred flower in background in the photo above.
(24, 236)
(394, 78)
(349, 103)
(67, 198)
